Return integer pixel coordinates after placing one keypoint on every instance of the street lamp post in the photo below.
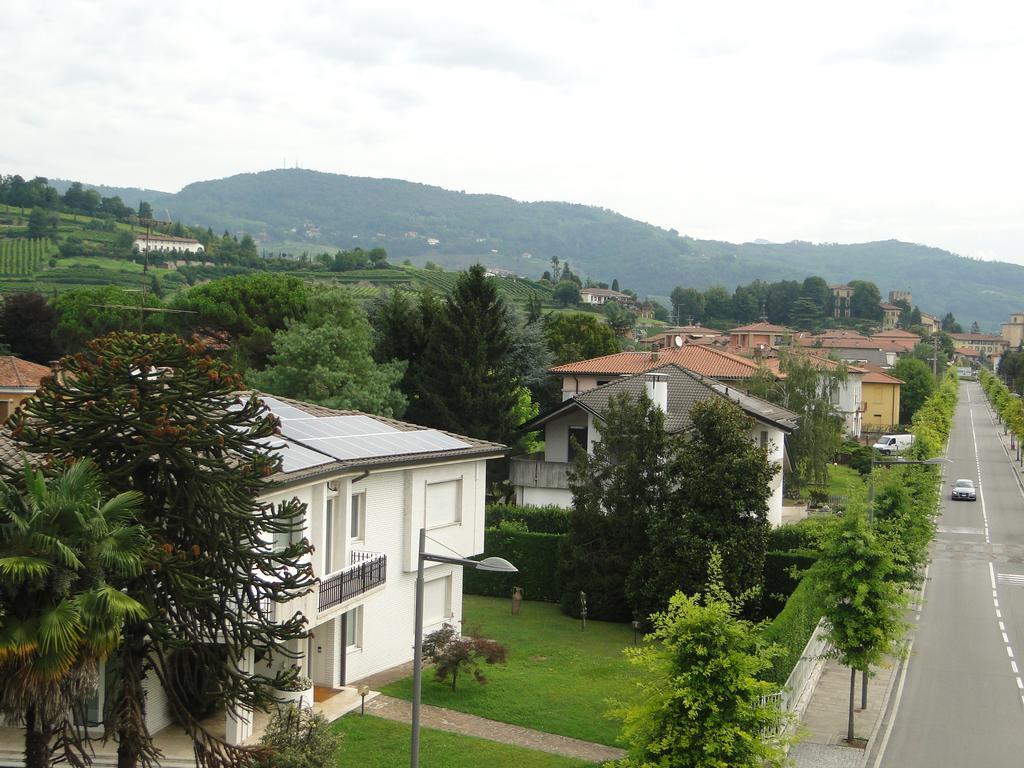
(871, 517)
(495, 564)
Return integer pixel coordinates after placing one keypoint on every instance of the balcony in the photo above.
(367, 571)
(531, 471)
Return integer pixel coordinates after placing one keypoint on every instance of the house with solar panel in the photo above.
(369, 485)
(543, 477)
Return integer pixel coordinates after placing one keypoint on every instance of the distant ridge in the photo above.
(301, 210)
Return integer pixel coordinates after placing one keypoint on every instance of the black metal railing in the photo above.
(367, 572)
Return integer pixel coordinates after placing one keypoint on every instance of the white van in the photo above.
(892, 444)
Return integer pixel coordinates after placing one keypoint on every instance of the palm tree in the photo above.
(61, 546)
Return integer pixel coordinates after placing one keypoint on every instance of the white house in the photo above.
(369, 484)
(542, 478)
(166, 243)
(598, 296)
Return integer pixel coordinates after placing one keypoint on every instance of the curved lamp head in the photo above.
(498, 564)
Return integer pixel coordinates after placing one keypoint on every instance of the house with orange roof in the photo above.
(985, 344)
(898, 337)
(759, 336)
(19, 380)
(543, 478)
(706, 360)
(881, 395)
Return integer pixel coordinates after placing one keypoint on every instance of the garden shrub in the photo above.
(298, 738)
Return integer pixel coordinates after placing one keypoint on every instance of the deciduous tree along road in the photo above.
(959, 701)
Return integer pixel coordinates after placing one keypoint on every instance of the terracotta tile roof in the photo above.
(876, 375)
(889, 307)
(701, 358)
(986, 338)
(21, 374)
(895, 333)
(967, 352)
(818, 359)
(761, 328)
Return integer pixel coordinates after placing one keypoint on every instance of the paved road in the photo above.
(961, 701)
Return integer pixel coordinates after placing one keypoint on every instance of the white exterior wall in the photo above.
(556, 435)
(395, 509)
(848, 404)
(157, 245)
(573, 385)
(776, 451)
(541, 497)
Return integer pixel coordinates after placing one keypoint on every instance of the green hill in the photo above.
(299, 210)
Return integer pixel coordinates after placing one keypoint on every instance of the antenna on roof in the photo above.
(764, 315)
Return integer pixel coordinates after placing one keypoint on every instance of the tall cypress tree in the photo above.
(158, 417)
(466, 381)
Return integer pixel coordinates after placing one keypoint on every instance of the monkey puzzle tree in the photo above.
(158, 417)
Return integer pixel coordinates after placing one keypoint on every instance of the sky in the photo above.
(820, 121)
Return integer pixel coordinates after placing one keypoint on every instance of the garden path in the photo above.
(470, 725)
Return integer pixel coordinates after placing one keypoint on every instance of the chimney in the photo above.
(657, 390)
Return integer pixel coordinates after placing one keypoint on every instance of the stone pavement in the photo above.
(823, 728)
(471, 725)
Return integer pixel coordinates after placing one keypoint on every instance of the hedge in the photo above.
(536, 555)
(793, 627)
(783, 572)
(549, 519)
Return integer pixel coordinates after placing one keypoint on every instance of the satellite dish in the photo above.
(678, 340)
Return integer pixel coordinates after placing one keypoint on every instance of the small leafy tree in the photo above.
(702, 697)
(863, 605)
(451, 653)
(297, 737)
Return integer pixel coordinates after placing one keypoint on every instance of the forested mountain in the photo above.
(300, 210)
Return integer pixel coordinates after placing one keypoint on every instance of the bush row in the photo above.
(549, 519)
(1007, 405)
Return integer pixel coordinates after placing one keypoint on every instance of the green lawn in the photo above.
(843, 481)
(558, 679)
(371, 742)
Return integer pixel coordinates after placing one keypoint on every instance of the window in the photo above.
(437, 600)
(444, 503)
(764, 439)
(353, 628)
(577, 441)
(329, 536)
(357, 517)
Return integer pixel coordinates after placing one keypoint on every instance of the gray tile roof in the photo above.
(685, 390)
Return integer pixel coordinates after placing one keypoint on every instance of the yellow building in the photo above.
(880, 398)
(19, 379)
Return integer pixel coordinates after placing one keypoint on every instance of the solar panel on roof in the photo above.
(334, 426)
(293, 455)
(393, 444)
(284, 411)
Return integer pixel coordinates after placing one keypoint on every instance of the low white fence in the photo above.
(801, 681)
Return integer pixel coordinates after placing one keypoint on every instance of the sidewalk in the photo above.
(823, 728)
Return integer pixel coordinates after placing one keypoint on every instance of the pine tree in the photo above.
(466, 381)
(159, 418)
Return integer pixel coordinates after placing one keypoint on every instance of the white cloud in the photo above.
(778, 120)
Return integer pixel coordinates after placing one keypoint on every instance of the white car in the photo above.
(963, 489)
